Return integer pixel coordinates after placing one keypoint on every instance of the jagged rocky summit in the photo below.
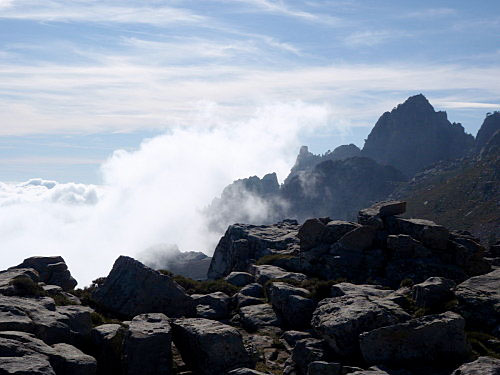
(413, 153)
(413, 136)
(385, 295)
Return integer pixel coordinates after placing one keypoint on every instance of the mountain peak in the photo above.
(417, 101)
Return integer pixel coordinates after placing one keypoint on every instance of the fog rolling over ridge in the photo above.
(150, 196)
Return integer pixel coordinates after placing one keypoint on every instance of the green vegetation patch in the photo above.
(202, 287)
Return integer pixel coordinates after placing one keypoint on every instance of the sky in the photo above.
(80, 79)
(121, 120)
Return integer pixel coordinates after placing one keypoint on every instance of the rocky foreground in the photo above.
(385, 295)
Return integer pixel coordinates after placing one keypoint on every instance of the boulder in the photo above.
(342, 289)
(107, 340)
(427, 232)
(433, 338)
(26, 365)
(291, 304)
(479, 299)
(381, 210)
(360, 238)
(432, 292)
(240, 278)
(266, 272)
(481, 366)
(240, 300)
(340, 320)
(317, 232)
(147, 346)
(73, 361)
(242, 242)
(257, 316)
(209, 347)
(69, 324)
(131, 289)
(403, 246)
(52, 270)
(62, 358)
(324, 368)
(19, 282)
(253, 290)
(212, 306)
(307, 351)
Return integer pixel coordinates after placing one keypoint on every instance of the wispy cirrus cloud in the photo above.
(283, 8)
(96, 11)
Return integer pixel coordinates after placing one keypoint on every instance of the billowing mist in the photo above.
(154, 195)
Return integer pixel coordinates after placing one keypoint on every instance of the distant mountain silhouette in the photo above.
(413, 136)
(307, 160)
(456, 181)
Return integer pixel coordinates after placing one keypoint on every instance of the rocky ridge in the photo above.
(383, 295)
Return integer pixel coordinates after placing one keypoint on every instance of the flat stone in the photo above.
(481, 366)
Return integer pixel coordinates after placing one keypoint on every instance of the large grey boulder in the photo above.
(107, 341)
(360, 238)
(291, 304)
(212, 306)
(340, 320)
(316, 232)
(209, 347)
(265, 272)
(131, 289)
(383, 209)
(479, 299)
(433, 338)
(240, 278)
(307, 351)
(63, 358)
(427, 232)
(253, 290)
(243, 243)
(147, 346)
(26, 365)
(19, 282)
(52, 270)
(481, 366)
(258, 316)
(70, 324)
(73, 361)
(433, 291)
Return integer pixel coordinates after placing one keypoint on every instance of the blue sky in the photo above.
(81, 78)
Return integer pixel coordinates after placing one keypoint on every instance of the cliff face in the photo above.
(413, 136)
(491, 124)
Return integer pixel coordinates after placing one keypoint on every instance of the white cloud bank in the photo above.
(150, 196)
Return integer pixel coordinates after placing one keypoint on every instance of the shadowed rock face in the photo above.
(339, 188)
(490, 126)
(131, 289)
(307, 160)
(413, 136)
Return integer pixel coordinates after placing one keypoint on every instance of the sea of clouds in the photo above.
(153, 195)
